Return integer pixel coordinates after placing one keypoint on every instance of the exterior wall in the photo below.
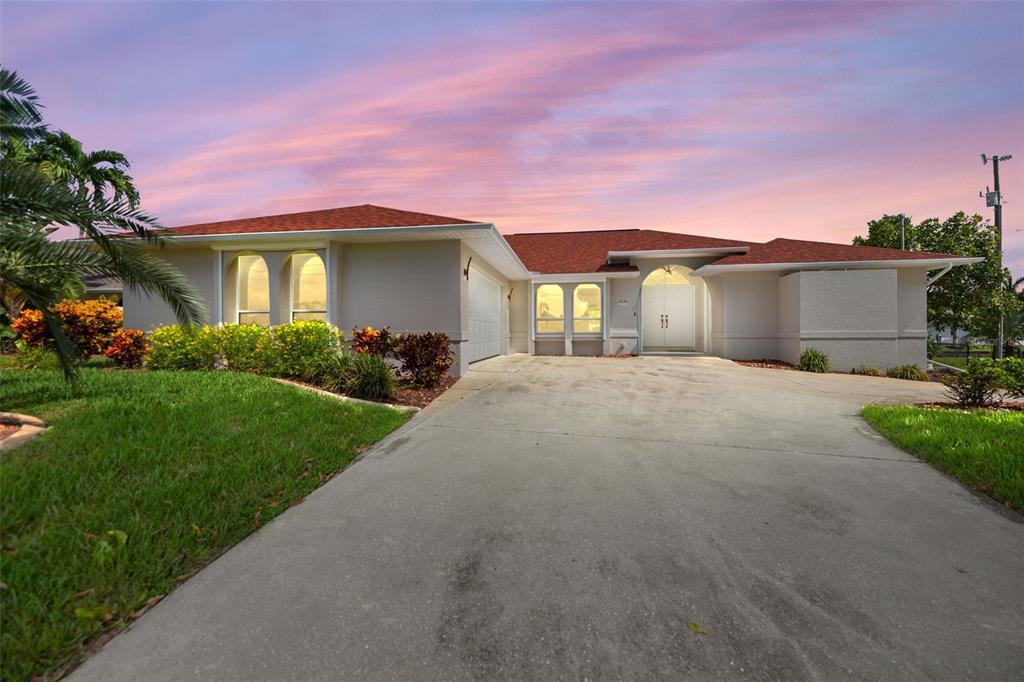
(142, 311)
(519, 317)
(745, 315)
(623, 316)
(912, 316)
(872, 317)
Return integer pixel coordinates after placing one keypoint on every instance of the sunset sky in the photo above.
(750, 120)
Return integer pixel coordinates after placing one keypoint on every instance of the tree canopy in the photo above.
(47, 180)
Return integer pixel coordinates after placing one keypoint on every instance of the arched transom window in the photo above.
(253, 291)
(309, 287)
(666, 276)
(586, 309)
(550, 309)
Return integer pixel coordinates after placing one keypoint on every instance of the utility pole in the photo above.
(995, 200)
(903, 236)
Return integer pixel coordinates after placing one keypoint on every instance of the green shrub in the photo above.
(241, 347)
(370, 377)
(299, 350)
(977, 386)
(867, 371)
(932, 347)
(909, 372)
(33, 357)
(813, 360)
(425, 358)
(178, 347)
(1013, 376)
(360, 375)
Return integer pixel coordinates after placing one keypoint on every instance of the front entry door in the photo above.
(668, 316)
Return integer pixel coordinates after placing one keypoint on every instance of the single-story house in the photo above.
(557, 293)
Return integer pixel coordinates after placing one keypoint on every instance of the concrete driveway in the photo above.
(597, 518)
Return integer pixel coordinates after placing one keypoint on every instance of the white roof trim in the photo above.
(668, 253)
(512, 267)
(329, 232)
(575, 277)
(931, 263)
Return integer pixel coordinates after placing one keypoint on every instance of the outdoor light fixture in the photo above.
(466, 271)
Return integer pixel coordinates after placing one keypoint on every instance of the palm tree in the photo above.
(35, 268)
(89, 174)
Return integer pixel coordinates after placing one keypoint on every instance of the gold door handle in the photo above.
(666, 322)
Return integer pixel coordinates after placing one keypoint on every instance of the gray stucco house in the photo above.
(557, 293)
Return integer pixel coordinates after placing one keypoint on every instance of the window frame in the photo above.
(239, 311)
(600, 319)
(291, 287)
(537, 318)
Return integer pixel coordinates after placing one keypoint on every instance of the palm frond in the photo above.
(19, 107)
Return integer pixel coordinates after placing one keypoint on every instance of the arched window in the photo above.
(586, 309)
(666, 276)
(309, 287)
(550, 309)
(253, 291)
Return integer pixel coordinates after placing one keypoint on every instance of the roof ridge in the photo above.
(614, 229)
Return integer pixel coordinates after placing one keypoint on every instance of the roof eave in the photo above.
(676, 253)
(712, 269)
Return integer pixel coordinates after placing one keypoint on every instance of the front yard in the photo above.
(982, 448)
(143, 478)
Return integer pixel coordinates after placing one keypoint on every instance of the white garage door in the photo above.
(484, 318)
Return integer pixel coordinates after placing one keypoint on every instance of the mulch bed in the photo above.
(8, 430)
(766, 364)
(421, 397)
(1008, 406)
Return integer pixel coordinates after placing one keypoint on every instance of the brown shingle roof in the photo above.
(345, 218)
(801, 251)
(587, 251)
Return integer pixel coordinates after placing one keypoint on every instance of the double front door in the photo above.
(669, 316)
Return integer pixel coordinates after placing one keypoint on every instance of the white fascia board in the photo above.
(677, 253)
(331, 233)
(575, 277)
(711, 269)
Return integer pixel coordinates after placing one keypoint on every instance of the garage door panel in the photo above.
(484, 318)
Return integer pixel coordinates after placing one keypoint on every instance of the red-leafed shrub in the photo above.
(30, 327)
(380, 342)
(127, 347)
(89, 325)
(425, 358)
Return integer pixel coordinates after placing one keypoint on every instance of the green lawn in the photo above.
(984, 449)
(956, 356)
(142, 478)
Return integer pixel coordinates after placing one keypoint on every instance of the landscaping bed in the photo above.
(982, 447)
(142, 478)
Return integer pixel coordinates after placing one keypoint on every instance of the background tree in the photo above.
(961, 298)
(33, 199)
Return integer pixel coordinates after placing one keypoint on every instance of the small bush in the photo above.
(127, 347)
(298, 350)
(909, 372)
(370, 377)
(932, 347)
(867, 371)
(813, 360)
(178, 347)
(360, 375)
(1013, 377)
(240, 347)
(89, 325)
(379, 342)
(425, 358)
(977, 386)
(33, 357)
